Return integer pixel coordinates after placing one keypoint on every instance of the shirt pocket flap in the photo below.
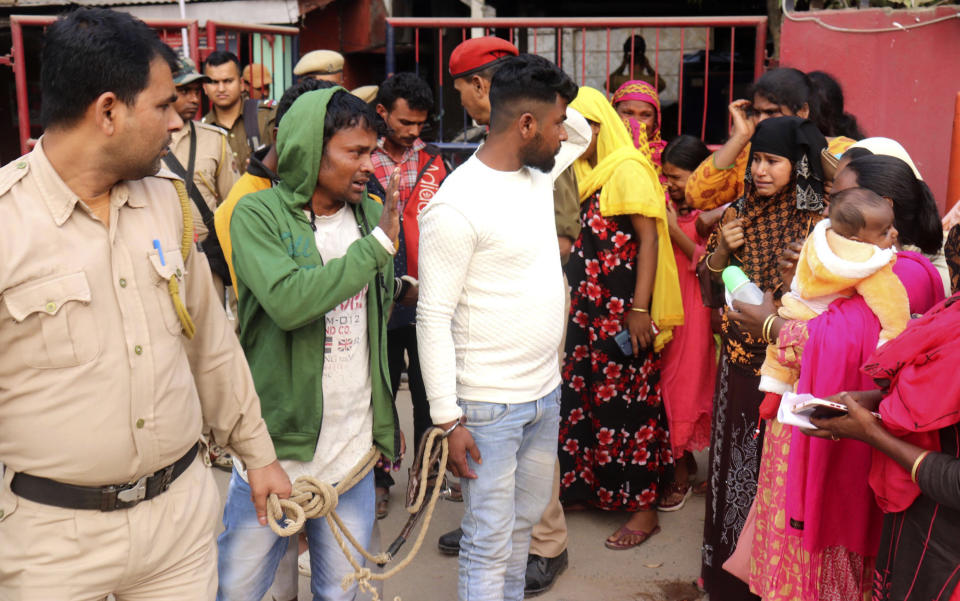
(170, 266)
(47, 295)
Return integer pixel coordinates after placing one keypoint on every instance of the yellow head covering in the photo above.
(629, 185)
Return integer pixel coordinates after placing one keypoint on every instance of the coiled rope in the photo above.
(312, 498)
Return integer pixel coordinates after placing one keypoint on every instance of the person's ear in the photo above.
(480, 86)
(527, 124)
(888, 199)
(804, 112)
(106, 112)
(382, 111)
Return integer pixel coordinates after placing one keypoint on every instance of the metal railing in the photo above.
(272, 46)
(437, 32)
(169, 31)
(275, 47)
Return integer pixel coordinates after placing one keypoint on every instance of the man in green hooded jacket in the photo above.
(314, 263)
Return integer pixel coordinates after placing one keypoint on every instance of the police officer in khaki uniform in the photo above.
(325, 65)
(214, 171)
(225, 90)
(106, 312)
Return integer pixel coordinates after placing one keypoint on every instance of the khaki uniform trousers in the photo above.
(159, 550)
(549, 536)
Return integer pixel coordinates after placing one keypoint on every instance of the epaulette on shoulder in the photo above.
(268, 104)
(208, 126)
(13, 172)
(167, 174)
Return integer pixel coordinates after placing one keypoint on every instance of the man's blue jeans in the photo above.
(250, 553)
(518, 447)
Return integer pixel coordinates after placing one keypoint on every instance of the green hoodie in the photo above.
(285, 289)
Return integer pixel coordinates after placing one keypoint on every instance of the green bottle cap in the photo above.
(733, 278)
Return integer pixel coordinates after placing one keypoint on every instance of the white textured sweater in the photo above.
(490, 310)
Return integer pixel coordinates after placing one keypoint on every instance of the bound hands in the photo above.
(460, 442)
(265, 481)
(390, 218)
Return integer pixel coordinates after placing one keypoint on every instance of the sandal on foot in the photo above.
(700, 488)
(618, 545)
(383, 504)
(675, 497)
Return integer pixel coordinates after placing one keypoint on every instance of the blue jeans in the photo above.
(250, 553)
(518, 447)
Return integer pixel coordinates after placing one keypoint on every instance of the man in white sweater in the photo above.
(489, 320)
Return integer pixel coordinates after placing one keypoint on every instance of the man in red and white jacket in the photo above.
(404, 102)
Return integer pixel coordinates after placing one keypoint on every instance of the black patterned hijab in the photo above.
(800, 141)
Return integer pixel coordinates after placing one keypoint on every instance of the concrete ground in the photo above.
(662, 569)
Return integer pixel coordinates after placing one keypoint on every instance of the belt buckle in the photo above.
(134, 494)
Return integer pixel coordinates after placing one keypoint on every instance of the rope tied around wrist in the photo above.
(313, 498)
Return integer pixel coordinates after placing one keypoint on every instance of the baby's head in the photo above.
(863, 215)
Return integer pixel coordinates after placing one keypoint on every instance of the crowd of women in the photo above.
(659, 365)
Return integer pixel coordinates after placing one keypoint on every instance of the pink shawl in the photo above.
(829, 499)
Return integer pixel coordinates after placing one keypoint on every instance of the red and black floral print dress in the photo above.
(614, 445)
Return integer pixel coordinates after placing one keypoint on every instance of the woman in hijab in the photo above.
(782, 201)
(614, 445)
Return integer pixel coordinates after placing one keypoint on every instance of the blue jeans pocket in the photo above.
(480, 414)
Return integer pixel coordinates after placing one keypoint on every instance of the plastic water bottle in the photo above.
(739, 287)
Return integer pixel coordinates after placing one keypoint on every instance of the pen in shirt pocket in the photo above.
(156, 245)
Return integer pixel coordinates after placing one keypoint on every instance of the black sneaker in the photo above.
(542, 572)
(449, 543)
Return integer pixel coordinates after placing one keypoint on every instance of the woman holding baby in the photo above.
(817, 526)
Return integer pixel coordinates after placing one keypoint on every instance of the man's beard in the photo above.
(537, 156)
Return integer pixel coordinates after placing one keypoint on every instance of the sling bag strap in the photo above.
(251, 124)
(187, 174)
(211, 245)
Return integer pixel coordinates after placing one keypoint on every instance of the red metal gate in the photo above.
(439, 30)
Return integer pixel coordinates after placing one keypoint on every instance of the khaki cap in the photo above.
(366, 93)
(325, 62)
(257, 75)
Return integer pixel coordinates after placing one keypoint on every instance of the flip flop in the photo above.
(616, 545)
(700, 488)
(678, 493)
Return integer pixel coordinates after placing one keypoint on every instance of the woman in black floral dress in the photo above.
(614, 445)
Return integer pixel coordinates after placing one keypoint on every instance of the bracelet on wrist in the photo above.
(450, 430)
(916, 464)
(639, 309)
(709, 266)
(767, 329)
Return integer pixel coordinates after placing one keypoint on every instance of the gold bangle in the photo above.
(639, 309)
(916, 464)
(767, 327)
(709, 267)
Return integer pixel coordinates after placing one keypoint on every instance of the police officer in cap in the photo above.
(106, 313)
(248, 122)
(325, 65)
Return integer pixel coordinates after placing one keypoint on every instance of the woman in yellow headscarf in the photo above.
(614, 444)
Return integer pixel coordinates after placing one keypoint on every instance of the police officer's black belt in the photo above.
(104, 498)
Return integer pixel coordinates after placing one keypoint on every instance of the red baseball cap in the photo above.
(476, 54)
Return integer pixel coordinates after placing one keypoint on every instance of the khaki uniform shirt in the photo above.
(213, 172)
(237, 134)
(566, 204)
(96, 379)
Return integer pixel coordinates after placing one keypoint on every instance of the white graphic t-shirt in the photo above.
(347, 430)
